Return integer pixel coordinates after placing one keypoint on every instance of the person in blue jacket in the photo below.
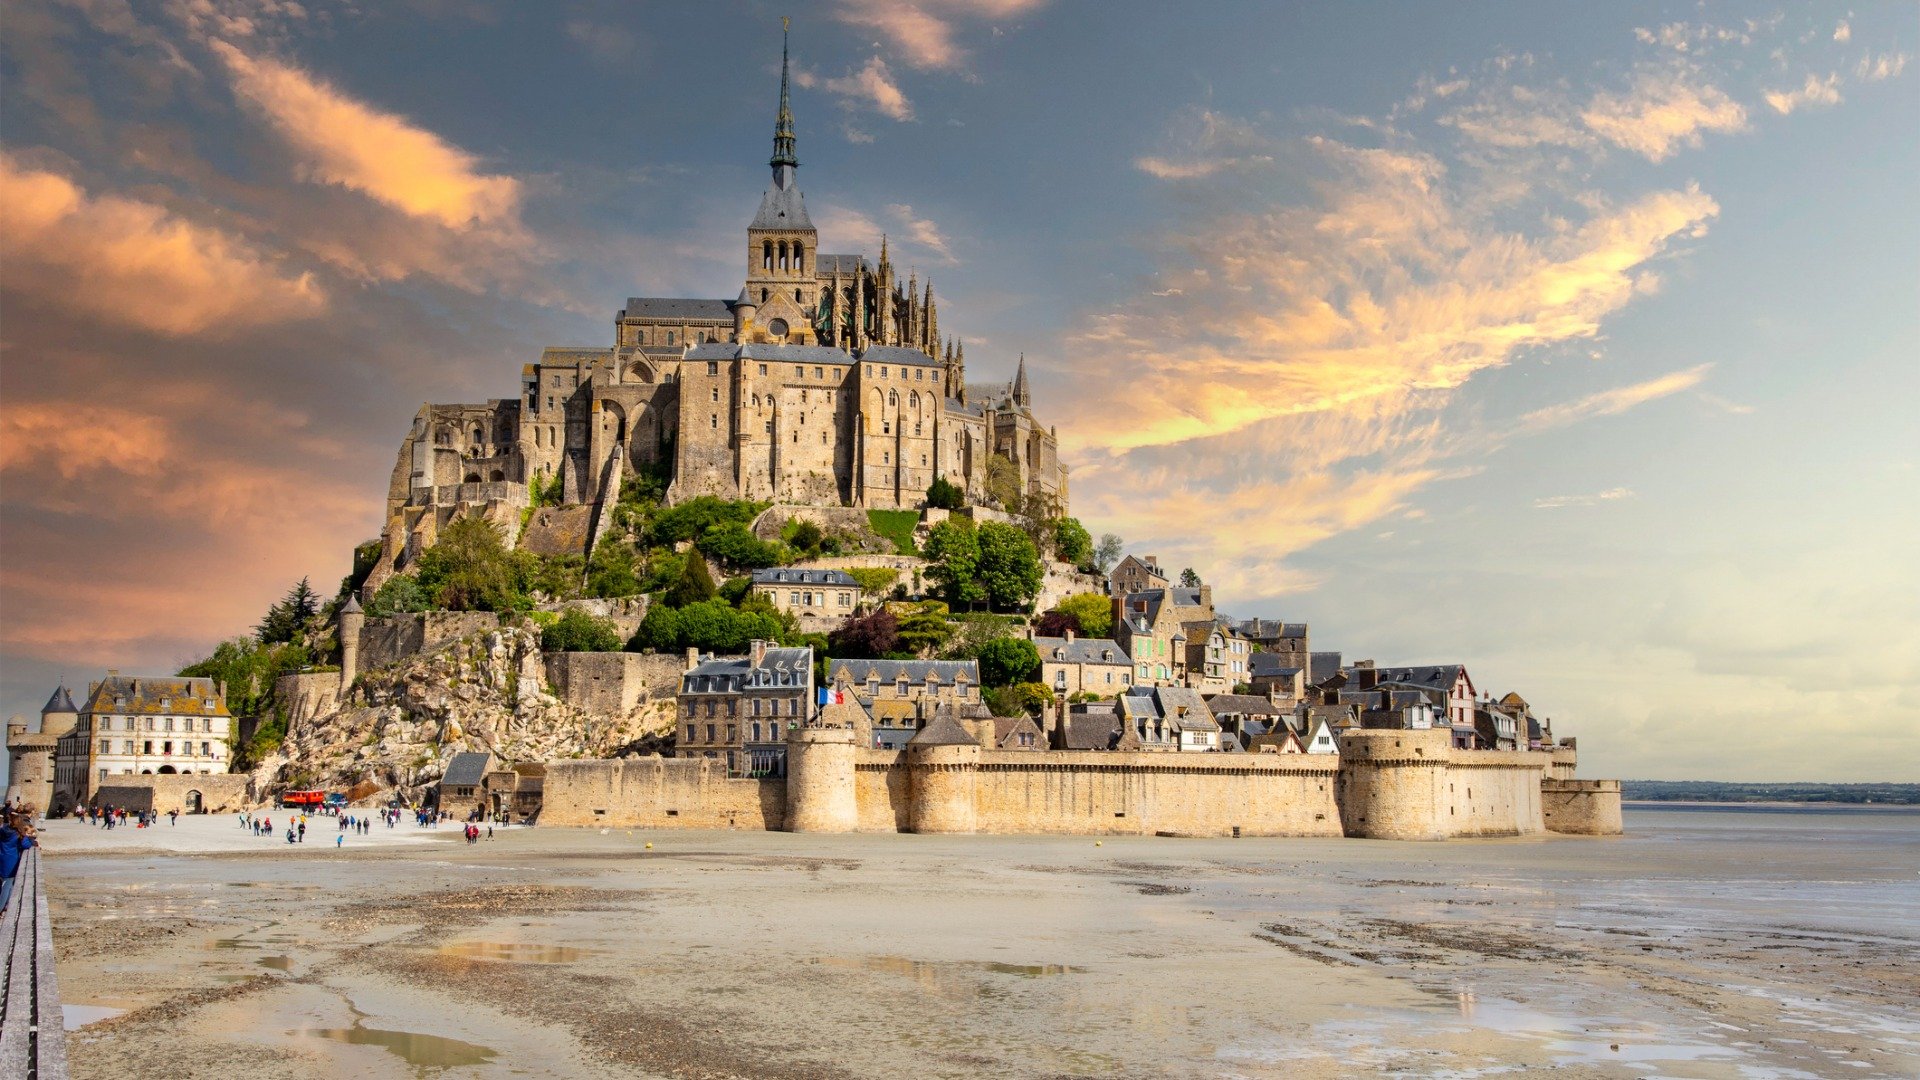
(16, 836)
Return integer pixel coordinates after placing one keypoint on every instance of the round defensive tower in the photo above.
(944, 761)
(820, 794)
(351, 620)
(1391, 784)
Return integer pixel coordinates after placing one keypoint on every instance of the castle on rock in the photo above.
(826, 381)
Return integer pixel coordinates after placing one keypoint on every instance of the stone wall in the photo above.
(308, 694)
(386, 641)
(219, 793)
(658, 793)
(613, 684)
(1494, 793)
(1148, 793)
(1582, 807)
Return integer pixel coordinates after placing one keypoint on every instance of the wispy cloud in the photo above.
(1614, 401)
(925, 33)
(339, 140)
(1844, 32)
(871, 87)
(1662, 112)
(1817, 91)
(1561, 502)
(921, 231)
(134, 262)
(1885, 66)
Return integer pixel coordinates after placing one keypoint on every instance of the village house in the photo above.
(730, 705)
(1447, 686)
(1075, 665)
(900, 696)
(140, 724)
(1245, 717)
(1216, 656)
(1150, 627)
(1170, 718)
(1096, 725)
(1272, 675)
(1136, 573)
(1017, 733)
(819, 599)
(1287, 640)
(460, 785)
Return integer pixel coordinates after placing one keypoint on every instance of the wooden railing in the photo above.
(33, 1042)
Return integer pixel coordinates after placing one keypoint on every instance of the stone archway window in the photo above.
(766, 255)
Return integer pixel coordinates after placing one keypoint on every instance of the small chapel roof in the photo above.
(677, 307)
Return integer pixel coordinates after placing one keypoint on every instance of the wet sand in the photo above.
(1701, 945)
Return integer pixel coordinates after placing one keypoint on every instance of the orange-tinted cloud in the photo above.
(136, 262)
(1662, 112)
(339, 140)
(924, 32)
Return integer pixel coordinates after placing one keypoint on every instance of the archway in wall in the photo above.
(499, 475)
(168, 770)
(193, 802)
(473, 478)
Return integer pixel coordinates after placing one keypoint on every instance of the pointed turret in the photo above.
(1021, 395)
(932, 336)
(960, 370)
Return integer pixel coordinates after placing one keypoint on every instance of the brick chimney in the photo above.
(693, 658)
(758, 651)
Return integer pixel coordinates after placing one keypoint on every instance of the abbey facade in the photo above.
(825, 381)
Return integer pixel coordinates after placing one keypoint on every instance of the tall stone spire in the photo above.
(1021, 395)
(784, 161)
(932, 332)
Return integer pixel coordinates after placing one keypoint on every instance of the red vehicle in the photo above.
(312, 798)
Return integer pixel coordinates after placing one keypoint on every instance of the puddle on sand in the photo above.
(415, 1048)
(955, 980)
(77, 1016)
(518, 952)
(277, 963)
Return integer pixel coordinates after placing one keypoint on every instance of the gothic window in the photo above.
(893, 397)
(479, 435)
(669, 337)
(766, 255)
(783, 256)
(799, 260)
(796, 297)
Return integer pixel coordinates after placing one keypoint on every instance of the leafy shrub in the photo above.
(710, 625)
(944, 494)
(1093, 613)
(695, 584)
(399, 593)
(870, 636)
(1009, 566)
(874, 580)
(1008, 660)
(734, 545)
(578, 631)
(691, 519)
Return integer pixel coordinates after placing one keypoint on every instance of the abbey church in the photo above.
(825, 381)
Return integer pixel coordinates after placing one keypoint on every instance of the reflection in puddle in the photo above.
(277, 963)
(75, 1016)
(417, 1049)
(519, 952)
(951, 979)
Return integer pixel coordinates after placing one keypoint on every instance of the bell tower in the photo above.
(782, 245)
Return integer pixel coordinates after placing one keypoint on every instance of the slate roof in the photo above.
(944, 731)
(676, 308)
(780, 669)
(1081, 651)
(1244, 705)
(1272, 630)
(944, 672)
(843, 264)
(183, 697)
(61, 701)
(896, 354)
(791, 354)
(1186, 708)
(573, 354)
(1270, 665)
(466, 769)
(782, 208)
(1322, 666)
(1092, 731)
(1440, 676)
(791, 575)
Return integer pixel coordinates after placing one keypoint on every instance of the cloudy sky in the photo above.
(1576, 343)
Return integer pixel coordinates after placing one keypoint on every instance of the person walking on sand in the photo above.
(303, 829)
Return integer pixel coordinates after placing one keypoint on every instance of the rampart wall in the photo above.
(613, 683)
(1400, 785)
(219, 792)
(659, 793)
(308, 694)
(386, 641)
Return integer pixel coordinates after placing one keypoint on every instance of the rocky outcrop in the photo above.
(401, 725)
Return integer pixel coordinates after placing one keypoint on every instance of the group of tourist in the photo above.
(111, 817)
(263, 826)
(473, 833)
(16, 838)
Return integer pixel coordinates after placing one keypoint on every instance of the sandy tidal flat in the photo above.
(1701, 945)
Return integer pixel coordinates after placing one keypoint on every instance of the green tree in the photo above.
(1033, 697)
(944, 494)
(874, 580)
(1189, 579)
(470, 569)
(287, 619)
(555, 576)
(1008, 660)
(694, 586)
(1072, 543)
(248, 668)
(1009, 567)
(1093, 611)
(1106, 554)
(924, 627)
(734, 545)
(579, 631)
(803, 537)
(953, 549)
(612, 569)
(399, 593)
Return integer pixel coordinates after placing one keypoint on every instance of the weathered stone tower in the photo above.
(31, 765)
(1392, 783)
(351, 621)
(944, 763)
(820, 796)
